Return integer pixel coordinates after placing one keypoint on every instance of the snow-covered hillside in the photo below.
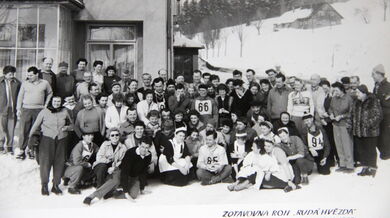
(352, 48)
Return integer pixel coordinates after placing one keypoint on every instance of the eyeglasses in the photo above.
(114, 135)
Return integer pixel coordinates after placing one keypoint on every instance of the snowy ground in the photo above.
(20, 197)
(352, 48)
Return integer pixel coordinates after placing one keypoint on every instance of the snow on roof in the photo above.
(184, 42)
(291, 16)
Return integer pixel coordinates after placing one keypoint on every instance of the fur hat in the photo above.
(379, 69)
(363, 88)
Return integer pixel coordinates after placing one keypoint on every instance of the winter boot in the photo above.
(45, 190)
(56, 190)
(363, 172)
(87, 201)
(74, 191)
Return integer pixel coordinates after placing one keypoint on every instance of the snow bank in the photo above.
(20, 196)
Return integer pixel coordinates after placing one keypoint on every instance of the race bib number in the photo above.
(316, 142)
(211, 160)
(204, 107)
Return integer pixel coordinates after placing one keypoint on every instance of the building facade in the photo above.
(133, 35)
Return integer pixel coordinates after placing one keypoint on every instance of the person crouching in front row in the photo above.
(136, 164)
(80, 163)
(175, 161)
(108, 160)
(213, 166)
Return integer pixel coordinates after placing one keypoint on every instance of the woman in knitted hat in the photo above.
(382, 92)
(366, 119)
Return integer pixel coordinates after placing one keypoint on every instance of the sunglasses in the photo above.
(114, 135)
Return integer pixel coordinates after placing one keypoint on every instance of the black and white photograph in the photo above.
(194, 108)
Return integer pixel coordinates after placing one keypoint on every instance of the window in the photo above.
(28, 33)
(114, 45)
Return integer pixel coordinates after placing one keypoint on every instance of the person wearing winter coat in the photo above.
(178, 101)
(116, 114)
(297, 154)
(54, 123)
(212, 164)
(80, 163)
(315, 137)
(9, 90)
(108, 160)
(382, 92)
(109, 157)
(366, 118)
(278, 98)
(285, 121)
(145, 106)
(340, 114)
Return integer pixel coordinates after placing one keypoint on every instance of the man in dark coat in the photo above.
(65, 86)
(9, 90)
(47, 73)
(382, 92)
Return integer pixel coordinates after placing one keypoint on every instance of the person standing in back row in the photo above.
(9, 90)
(33, 96)
(382, 92)
(278, 98)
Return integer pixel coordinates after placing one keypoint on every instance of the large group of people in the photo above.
(113, 132)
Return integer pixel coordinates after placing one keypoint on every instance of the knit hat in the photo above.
(379, 69)
(63, 64)
(363, 88)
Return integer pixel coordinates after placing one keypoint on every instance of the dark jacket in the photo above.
(382, 90)
(277, 101)
(240, 106)
(51, 78)
(65, 85)
(15, 87)
(366, 117)
(133, 165)
(108, 81)
(292, 129)
(324, 141)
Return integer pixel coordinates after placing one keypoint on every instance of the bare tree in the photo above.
(239, 30)
(385, 4)
(364, 14)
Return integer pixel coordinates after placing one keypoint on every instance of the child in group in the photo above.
(179, 120)
(154, 123)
